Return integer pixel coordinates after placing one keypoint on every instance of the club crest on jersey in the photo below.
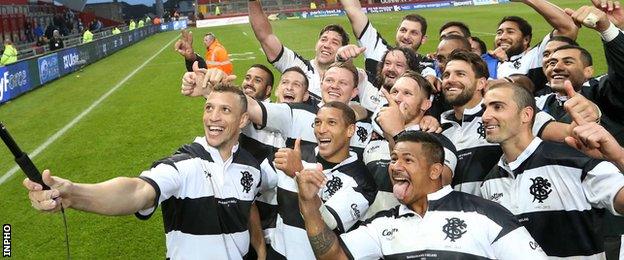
(454, 228)
(362, 133)
(246, 181)
(540, 189)
(481, 130)
(333, 185)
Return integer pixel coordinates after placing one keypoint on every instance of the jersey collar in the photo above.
(437, 195)
(528, 151)
(214, 152)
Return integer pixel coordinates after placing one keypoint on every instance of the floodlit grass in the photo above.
(147, 119)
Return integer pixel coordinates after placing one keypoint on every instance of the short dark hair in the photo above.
(479, 66)
(481, 43)
(419, 19)
(338, 29)
(523, 25)
(348, 65)
(462, 40)
(431, 146)
(561, 38)
(462, 27)
(271, 79)
(423, 83)
(230, 88)
(411, 57)
(300, 71)
(347, 113)
(586, 57)
(521, 96)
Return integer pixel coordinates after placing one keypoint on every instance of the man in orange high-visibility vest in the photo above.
(217, 55)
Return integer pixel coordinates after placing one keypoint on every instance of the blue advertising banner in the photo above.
(48, 68)
(14, 80)
(69, 60)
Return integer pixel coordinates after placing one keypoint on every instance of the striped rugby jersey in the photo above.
(205, 201)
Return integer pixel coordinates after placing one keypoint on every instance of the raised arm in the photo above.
(263, 31)
(115, 197)
(356, 16)
(555, 16)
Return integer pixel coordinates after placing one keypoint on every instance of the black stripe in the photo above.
(157, 190)
(433, 254)
(345, 249)
(206, 215)
(389, 213)
(339, 227)
(257, 148)
(365, 182)
(473, 164)
(243, 157)
(550, 153)
(446, 143)
(307, 149)
(464, 202)
(288, 209)
(379, 171)
(565, 233)
(305, 107)
(268, 214)
(470, 118)
(496, 172)
(264, 116)
(279, 56)
(359, 37)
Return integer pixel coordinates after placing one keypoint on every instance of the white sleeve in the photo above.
(277, 117)
(602, 184)
(517, 244)
(369, 95)
(362, 243)
(450, 159)
(376, 46)
(542, 119)
(288, 58)
(269, 176)
(165, 179)
(536, 55)
(427, 71)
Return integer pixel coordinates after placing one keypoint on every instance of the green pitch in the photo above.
(146, 119)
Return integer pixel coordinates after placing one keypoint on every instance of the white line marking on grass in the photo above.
(483, 33)
(77, 119)
(244, 33)
(241, 54)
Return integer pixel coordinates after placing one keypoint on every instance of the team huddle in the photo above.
(510, 153)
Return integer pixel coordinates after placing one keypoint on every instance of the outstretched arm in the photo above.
(263, 31)
(356, 16)
(555, 16)
(115, 197)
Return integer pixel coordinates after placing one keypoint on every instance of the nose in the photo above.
(322, 128)
(487, 115)
(214, 115)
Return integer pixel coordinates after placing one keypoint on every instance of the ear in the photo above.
(244, 120)
(435, 171)
(354, 92)
(350, 130)
(527, 41)
(424, 39)
(526, 114)
(425, 105)
(588, 72)
(267, 92)
(306, 96)
(481, 84)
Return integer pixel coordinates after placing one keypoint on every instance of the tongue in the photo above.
(400, 189)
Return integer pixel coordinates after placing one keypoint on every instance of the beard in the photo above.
(514, 50)
(460, 99)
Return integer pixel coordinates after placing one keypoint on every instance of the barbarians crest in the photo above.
(362, 133)
(333, 185)
(540, 189)
(481, 130)
(454, 228)
(246, 181)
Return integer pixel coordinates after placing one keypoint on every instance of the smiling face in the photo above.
(409, 172)
(510, 38)
(502, 118)
(411, 99)
(291, 88)
(393, 66)
(338, 85)
(409, 35)
(223, 119)
(445, 47)
(460, 84)
(566, 65)
(256, 84)
(333, 134)
(327, 46)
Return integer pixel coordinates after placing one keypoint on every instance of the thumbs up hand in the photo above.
(581, 109)
(289, 160)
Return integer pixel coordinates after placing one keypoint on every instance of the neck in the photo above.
(339, 156)
(321, 67)
(513, 147)
(421, 204)
(459, 110)
(414, 121)
(225, 150)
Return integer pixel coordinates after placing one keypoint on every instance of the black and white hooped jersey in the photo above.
(456, 225)
(205, 201)
(526, 63)
(376, 47)
(296, 120)
(348, 193)
(558, 194)
(377, 160)
(475, 155)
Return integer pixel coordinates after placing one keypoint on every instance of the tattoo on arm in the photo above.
(322, 242)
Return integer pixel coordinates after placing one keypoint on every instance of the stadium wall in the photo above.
(380, 8)
(26, 75)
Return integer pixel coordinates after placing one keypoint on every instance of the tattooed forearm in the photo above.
(322, 242)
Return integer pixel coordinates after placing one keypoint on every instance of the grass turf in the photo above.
(147, 119)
